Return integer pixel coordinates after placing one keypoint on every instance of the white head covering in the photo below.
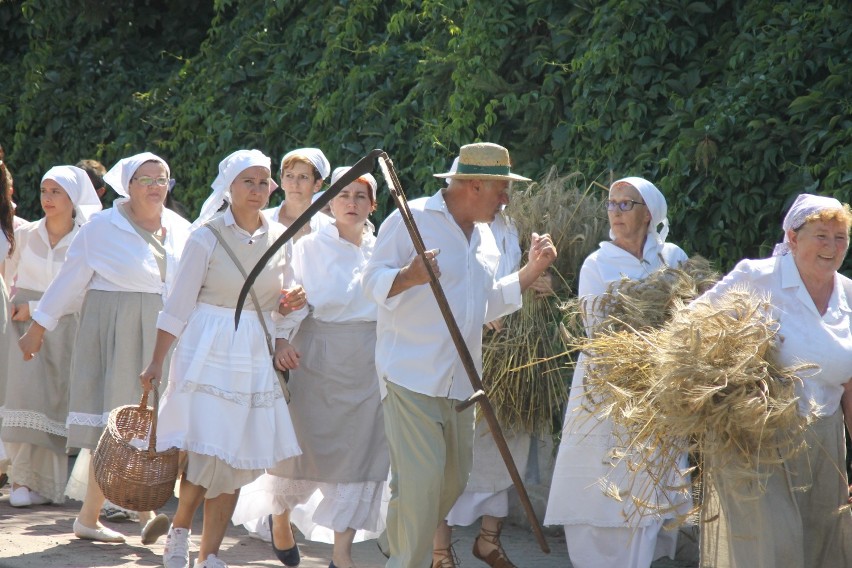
(118, 177)
(805, 205)
(371, 181)
(229, 169)
(314, 156)
(656, 203)
(78, 186)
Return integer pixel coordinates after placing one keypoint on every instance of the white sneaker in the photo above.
(211, 562)
(20, 497)
(176, 552)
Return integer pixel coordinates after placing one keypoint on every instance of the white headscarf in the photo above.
(371, 181)
(656, 203)
(805, 205)
(314, 156)
(229, 169)
(78, 186)
(118, 177)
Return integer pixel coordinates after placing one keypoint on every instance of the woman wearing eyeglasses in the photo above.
(600, 530)
(123, 260)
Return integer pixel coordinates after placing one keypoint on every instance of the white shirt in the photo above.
(107, 254)
(330, 268)
(34, 264)
(414, 348)
(611, 263)
(317, 221)
(192, 273)
(805, 335)
(506, 236)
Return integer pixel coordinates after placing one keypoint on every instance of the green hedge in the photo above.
(732, 108)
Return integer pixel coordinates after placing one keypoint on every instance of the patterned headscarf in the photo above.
(229, 169)
(805, 205)
(656, 203)
(79, 188)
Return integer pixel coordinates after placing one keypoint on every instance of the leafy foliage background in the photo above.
(731, 107)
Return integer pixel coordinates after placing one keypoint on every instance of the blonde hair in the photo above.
(843, 215)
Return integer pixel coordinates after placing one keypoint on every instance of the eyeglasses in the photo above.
(148, 181)
(622, 205)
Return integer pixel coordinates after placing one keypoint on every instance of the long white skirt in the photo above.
(317, 509)
(223, 397)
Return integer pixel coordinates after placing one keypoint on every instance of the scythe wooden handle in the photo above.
(485, 407)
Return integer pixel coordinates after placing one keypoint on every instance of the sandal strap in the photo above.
(445, 557)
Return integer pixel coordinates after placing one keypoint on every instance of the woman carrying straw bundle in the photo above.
(36, 404)
(333, 491)
(794, 516)
(224, 405)
(123, 260)
(601, 531)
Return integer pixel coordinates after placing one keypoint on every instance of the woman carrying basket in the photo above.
(224, 404)
(124, 261)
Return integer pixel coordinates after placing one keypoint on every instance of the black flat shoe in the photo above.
(289, 557)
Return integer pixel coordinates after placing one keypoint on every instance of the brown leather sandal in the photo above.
(444, 558)
(496, 558)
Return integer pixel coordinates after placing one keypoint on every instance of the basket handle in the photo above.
(152, 438)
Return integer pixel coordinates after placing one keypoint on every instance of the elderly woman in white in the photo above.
(302, 173)
(600, 531)
(37, 390)
(224, 405)
(796, 516)
(123, 260)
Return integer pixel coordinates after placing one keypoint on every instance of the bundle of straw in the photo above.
(706, 383)
(526, 371)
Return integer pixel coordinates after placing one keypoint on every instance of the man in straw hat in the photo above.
(431, 445)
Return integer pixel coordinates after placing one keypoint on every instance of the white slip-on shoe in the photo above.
(20, 497)
(155, 528)
(37, 498)
(176, 553)
(101, 534)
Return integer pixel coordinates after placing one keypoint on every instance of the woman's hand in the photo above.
(292, 299)
(21, 312)
(286, 356)
(30, 343)
(151, 376)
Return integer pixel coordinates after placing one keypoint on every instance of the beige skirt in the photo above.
(215, 475)
(794, 517)
(114, 343)
(36, 405)
(335, 405)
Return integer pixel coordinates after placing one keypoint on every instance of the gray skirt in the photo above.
(335, 405)
(36, 405)
(114, 343)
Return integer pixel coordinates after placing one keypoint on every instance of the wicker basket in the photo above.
(132, 477)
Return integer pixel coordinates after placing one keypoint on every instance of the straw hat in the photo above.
(483, 160)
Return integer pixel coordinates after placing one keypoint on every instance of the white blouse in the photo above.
(193, 272)
(330, 268)
(805, 336)
(34, 264)
(317, 221)
(108, 254)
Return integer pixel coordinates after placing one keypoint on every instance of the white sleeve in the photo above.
(392, 252)
(189, 277)
(65, 293)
